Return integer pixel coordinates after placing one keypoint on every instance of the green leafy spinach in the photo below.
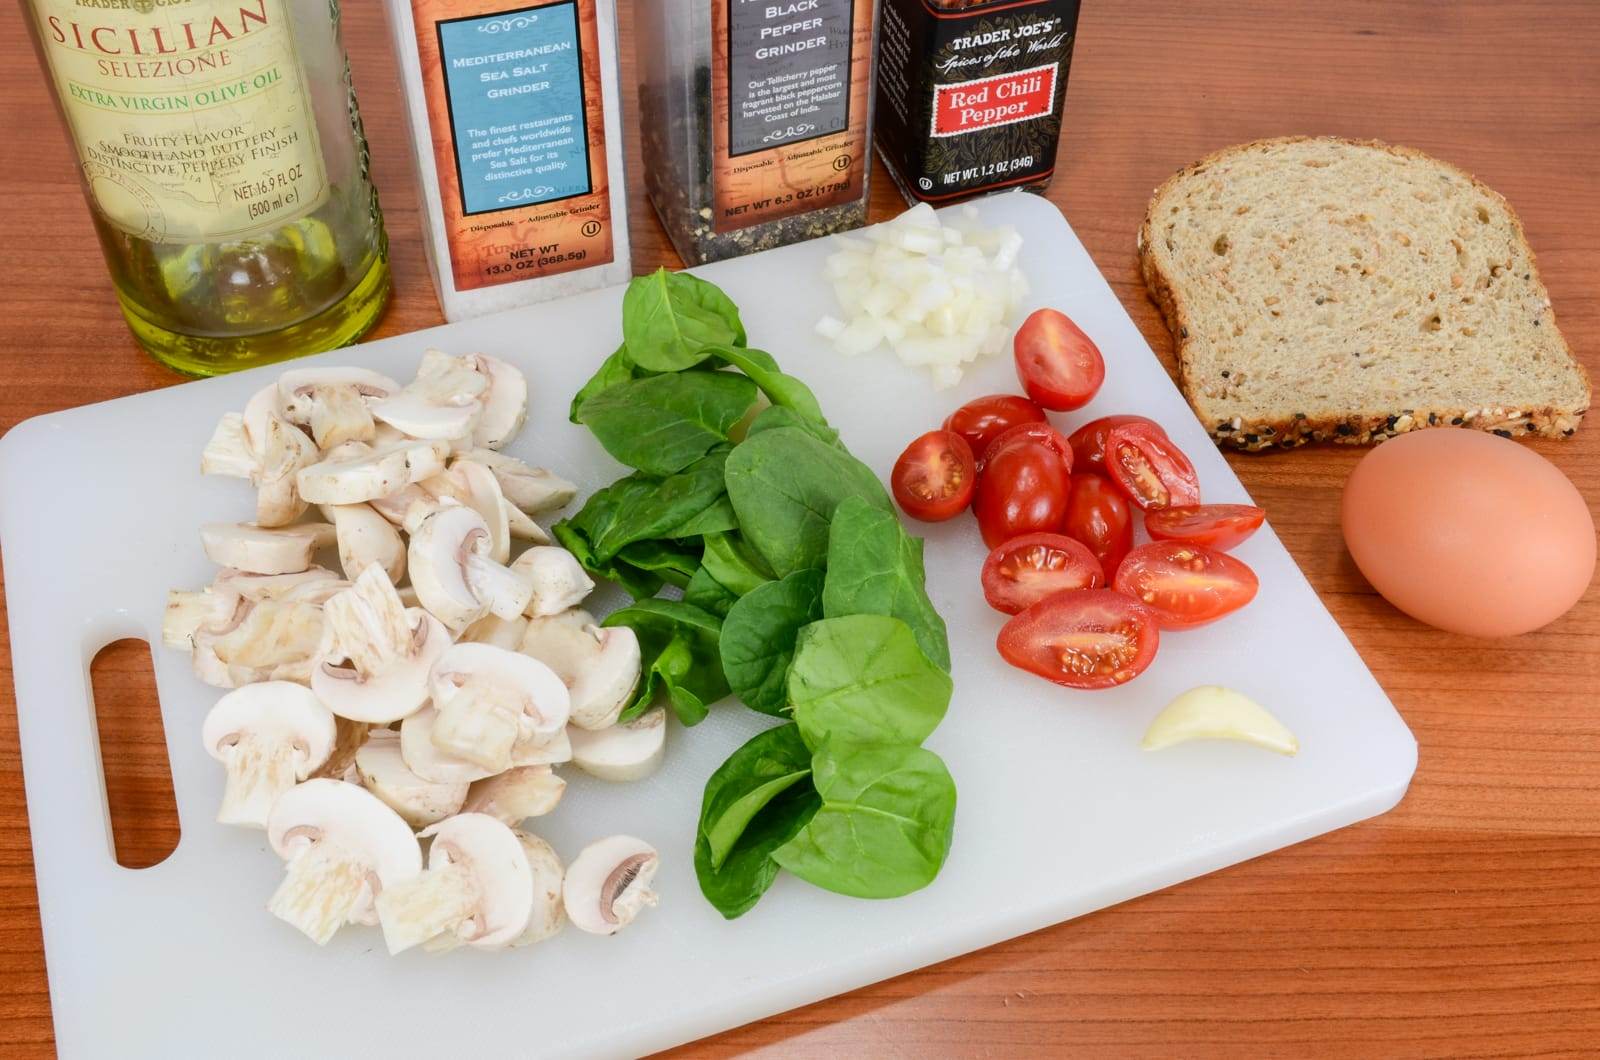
(875, 568)
(758, 638)
(663, 423)
(862, 679)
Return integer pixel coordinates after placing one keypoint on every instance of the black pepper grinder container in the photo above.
(755, 119)
(970, 94)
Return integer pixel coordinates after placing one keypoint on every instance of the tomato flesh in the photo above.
(1089, 441)
(1093, 638)
(1031, 432)
(1060, 367)
(1023, 489)
(982, 420)
(1029, 568)
(935, 477)
(1149, 468)
(1216, 526)
(1099, 516)
(1185, 585)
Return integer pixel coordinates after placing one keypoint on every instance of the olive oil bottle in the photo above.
(222, 156)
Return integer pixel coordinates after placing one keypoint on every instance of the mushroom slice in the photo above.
(501, 632)
(333, 402)
(559, 580)
(516, 794)
(1212, 712)
(259, 550)
(384, 773)
(269, 736)
(407, 507)
(371, 475)
(505, 406)
(227, 453)
(599, 666)
(608, 884)
(489, 699)
(630, 751)
(365, 538)
(442, 403)
(533, 490)
(188, 611)
(522, 527)
(478, 886)
(260, 641)
(264, 406)
(344, 847)
(425, 759)
(455, 578)
(349, 737)
(313, 585)
(482, 494)
(373, 665)
(547, 917)
(283, 453)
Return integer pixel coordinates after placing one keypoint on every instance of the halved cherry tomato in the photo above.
(1029, 568)
(1099, 516)
(1185, 585)
(934, 478)
(1023, 489)
(1089, 441)
(1218, 526)
(1033, 432)
(1093, 638)
(1149, 468)
(982, 420)
(1060, 367)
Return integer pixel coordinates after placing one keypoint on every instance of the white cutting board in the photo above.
(1060, 812)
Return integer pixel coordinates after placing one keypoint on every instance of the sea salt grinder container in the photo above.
(517, 138)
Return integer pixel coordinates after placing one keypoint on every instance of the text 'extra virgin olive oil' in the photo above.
(222, 155)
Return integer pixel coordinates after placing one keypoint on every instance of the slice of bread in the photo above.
(1332, 290)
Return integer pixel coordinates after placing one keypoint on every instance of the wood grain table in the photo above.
(1464, 923)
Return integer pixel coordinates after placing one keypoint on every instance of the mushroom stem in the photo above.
(440, 899)
(259, 770)
(504, 591)
(321, 891)
(479, 723)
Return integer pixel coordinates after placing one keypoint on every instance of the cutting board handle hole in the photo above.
(133, 754)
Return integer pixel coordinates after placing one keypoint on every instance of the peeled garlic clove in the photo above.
(1212, 712)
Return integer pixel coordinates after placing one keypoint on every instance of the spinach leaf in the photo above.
(678, 656)
(669, 319)
(638, 583)
(885, 823)
(770, 419)
(730, 559)
(758, 638)
(673, 563)
(785, 484)
(862, 679)
(766, 766)
(784, 391)
(749, 870)
(716, 518)
(708, 594)
(613, 370)
(664, 423)
(640, 506)
(875, 568)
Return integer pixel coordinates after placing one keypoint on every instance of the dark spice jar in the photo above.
(970, 94)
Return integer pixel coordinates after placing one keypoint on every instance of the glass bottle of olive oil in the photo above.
(222, 155)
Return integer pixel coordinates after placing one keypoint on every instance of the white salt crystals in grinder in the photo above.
(517, 137)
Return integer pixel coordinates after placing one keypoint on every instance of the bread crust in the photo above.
(1355, 428)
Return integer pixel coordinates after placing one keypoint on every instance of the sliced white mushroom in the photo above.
(531, 489)
(501, 632)
(186, 612)
(522, 527)
(599, 666)
(260, 550)
(344, 848)
(441, 403)
(269, 736)
(516, 794)
(627, 751)
(371, 475)
(284, 452)
(365, 538)
(264, 406)
(1212, 712)
(478, 886)
(481, 492)
(384, 773)
(608, 884)
(312, 585)
(406, 508)
(505, 405)
(263, 640)
(558, 579)
(333, 402)
(349, 738)
(427, 761)
(373, 665)
(489, 699)
(227, 453)
(547, 916)
(453, 574)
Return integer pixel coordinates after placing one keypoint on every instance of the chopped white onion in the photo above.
(940, 295)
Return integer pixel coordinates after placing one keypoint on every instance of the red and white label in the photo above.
(989, 102)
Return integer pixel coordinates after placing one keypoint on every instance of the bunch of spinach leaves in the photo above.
(801, 594)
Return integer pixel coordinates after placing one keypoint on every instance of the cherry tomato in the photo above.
(1152, 471)
(1093, 638)
(1022, 490)
(1033, 432)
(1089, 441)
(1185, 585)
(1029, 568)
(934, 478)
(1218, 526)
(1060, 367)
(1099, 516)
(982, 420)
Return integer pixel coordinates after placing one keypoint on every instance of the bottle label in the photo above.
(191, 118)
(518, 129)
(789, 91)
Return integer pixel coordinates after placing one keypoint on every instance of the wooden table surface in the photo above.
(1465, 922)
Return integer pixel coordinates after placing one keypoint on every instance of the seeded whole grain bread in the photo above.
(1321, 289)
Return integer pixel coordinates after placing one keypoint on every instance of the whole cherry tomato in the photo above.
(1089, 441)
(1149, 468)
(1099, 516)
(1060, 367)
(1093, 638)
(982, 420)
(1029, 568)
(1033, 432)
(1023, 489)
(1185, 585)
(934, 478)
(1218, 526)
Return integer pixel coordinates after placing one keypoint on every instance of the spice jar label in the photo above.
(514, 103)
(789, 86)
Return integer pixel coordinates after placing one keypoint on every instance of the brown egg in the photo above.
(1469, 532)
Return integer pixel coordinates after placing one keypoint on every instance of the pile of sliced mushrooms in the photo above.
(369, 718)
